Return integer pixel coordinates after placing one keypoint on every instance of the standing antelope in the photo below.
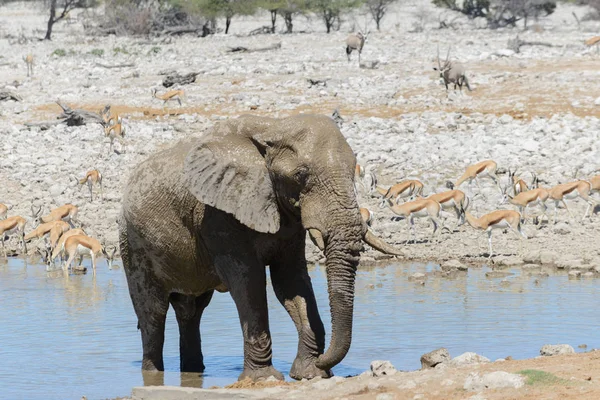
(499, 219)
(361, 176)
(59, 248)
(107, 117)
(114, 131)
(572, 190)
(80, 245)
(29, 61)
(594, 40)
(452, 72)
(67, 212)
(419, 208)
(452, 200)
(530, 197)
(4, 210)
(408, 188)
(355, 41)
(93, 177)
(595, 182)
(472, 172)
(518, 184)
(170, 95)
(11, 226)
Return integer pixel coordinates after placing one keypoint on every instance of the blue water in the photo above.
(64, 338)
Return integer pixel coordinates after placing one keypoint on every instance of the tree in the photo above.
(212, 9)
(273, 7)
(290, 9)
(330, 10)
(67, 6)
(378, 9)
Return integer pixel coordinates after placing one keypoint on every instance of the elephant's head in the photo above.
(269, 172)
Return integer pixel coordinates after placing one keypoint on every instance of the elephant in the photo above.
(211, 212)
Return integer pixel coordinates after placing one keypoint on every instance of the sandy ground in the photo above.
(535, 111)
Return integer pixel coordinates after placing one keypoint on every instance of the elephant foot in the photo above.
(306, 368)
(192, 366)
(261, 374)
(152, 365)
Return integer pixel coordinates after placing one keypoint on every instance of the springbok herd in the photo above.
(407, 201)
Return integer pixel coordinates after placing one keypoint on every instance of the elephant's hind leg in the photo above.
(293, 288)
(188, 310)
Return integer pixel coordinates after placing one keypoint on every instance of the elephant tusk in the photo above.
(378, 244)
(316, 238)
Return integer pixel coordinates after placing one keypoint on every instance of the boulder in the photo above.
(469, 358)
(493, 380)
(382, 368)
(556, 349)
(431, 359)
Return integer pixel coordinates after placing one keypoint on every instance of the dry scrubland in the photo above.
(535, 111)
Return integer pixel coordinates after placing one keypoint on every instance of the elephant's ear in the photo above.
(228, 172)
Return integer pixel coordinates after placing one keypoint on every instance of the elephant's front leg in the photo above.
(293, 288)
(246, 281)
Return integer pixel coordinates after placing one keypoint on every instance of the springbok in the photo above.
(67, 212)
(170, 95)
(44, 228)
(569, 191)
(80, 245)
(4, 210)
(13, 226)
(524, 199)
(420, 208)
(29, 61)
(452, 72)
(518, 184)
(452, 200)
(116, 131)
(107, 118)
(473, 172)
(92, 177)
(499, 219)
(58, 249)
(367, 216)
(410, 188)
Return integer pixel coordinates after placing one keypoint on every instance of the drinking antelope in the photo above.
(170, 95)
(473, 172)
(572, 190)
(113, 132)
(67, 212)
(80, 245)
(93, 177)
(530, 197)
(419, 208)
(409, 188)
(355, 41)
(452, 200)
(13, 226)
(44, 228)
(499, 219)
(56, 232)
(59, 249)
(452, 72)
(29, 61)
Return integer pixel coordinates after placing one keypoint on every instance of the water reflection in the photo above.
(77, 334)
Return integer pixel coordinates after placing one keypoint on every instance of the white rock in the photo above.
(469, 358)
(381, 368)
(556, 349)
(493, 380)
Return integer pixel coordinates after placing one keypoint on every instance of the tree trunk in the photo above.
(51, 20)
(227, 23)
(288, 22)
(273, 20)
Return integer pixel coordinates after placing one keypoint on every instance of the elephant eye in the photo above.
(301, 175)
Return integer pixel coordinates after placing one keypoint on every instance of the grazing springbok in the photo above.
(13, 226)
(452, 200)
(527, 198)
(80, 245)
(410, 188)
(572, 190)
(67, 212)
(170, 95)
(29, 61)
(473, 172)
(452, 72)
(420, 208)
(92, 177)
(355, 41)
(4, 210)
(499, 219)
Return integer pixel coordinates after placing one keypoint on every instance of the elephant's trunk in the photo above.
(342, 251)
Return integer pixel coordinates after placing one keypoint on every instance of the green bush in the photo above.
(59, 53)
(97, 52)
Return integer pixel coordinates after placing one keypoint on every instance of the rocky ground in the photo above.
(535, 111)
